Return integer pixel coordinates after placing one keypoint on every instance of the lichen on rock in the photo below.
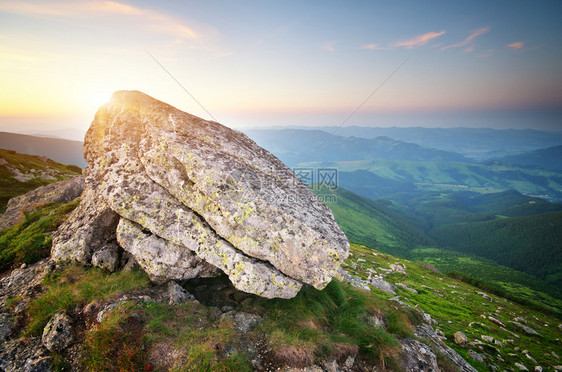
(194, 197)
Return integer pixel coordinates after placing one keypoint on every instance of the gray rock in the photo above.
(89, 227)
(383, 285)
(353, 280)
(58, 192)
(538, 369)
(331, 366)
(377, 321)
(204, 188)
(476, 356)
(528, 330)
(243, 322)
(398, 268)
(460, 338)
(160, 259)
(520, 366)
(496, 321)
(418, 357)
(6, 326)
(107, 257)
(427, 332)
(406, 287)
(24, 355)
(487, 338)
(57, 334)
(178, 295)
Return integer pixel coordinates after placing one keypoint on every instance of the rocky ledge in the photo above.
(189, 198)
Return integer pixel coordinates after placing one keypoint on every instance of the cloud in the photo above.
(516, 45)
(418, 40)
(329, 46)
(149, 19)
(373, 47)
(472, 36)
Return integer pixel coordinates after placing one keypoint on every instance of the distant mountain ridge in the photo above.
(295, 146)
(549, 158)
(476, 143)
(60, 150)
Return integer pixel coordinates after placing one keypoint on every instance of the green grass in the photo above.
(10, 187)
(78, 285)
(194, 336)
(332, 323)
(455, 304)
(30, 240)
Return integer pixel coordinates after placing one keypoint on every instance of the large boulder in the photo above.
(192, 195)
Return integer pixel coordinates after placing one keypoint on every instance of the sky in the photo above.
(269, 63)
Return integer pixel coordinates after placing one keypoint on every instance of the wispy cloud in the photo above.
(418, 40)
(516, 45)
(150, 19)
(329, 46)
(414, 42)
(373, 46)
(469, 39)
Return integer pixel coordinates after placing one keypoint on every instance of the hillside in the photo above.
(531, 244)
(294, 146)
(61, 150)
(549, 158)
(20, 173)
(122, 319)
(489, 177)
(411, 231)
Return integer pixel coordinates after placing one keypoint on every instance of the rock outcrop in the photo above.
(58, 192)
(189, 197)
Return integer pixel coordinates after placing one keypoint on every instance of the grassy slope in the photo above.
(455, 305)
(30, 240)
(28, 164)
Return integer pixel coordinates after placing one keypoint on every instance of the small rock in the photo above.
(331, 366)
(57, 334)
(243, 322)
(178, 295)
(377, 321)
(406, 287)
(528, 330)
(476, 356)
(439, 332)
(558, 367)
(538, 369)
(531, 358)
(555, 355)
(460, 338)
(487, 338)
(496, 321)
(107, 257)
(398, 268)
(521, 367)
(349, 362)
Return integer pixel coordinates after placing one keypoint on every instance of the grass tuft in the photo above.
(75, 285)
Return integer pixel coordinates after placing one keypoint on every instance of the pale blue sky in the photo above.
(480, 63)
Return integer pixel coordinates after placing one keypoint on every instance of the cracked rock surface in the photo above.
(193, 198)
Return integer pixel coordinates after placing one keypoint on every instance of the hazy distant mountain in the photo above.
(63, 151)
(550, 158)
(476, 143)
(295, 146)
